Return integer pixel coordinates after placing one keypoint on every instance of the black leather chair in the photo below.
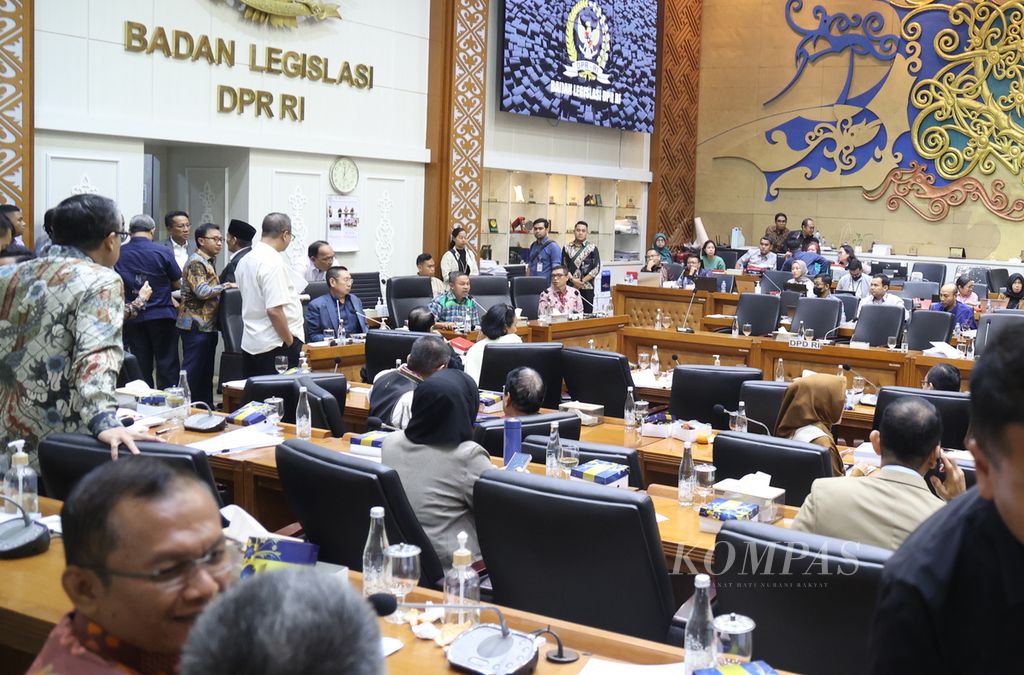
(793, 465)
(877, 323)
(326, 408)
(989, 326)
(729, 256)
(406, 293)
(229, 318)
(315, 289)
(833, 618)
(774, 281)
(537, 446)
(544, 357)
(489, 291)
(533, 528)
(64, 459)
(761, 311)
(384, 346)
(367, 287)
(697, 389)
(490, 433)
(919, 289)
(787, 302)
(331, 493)
(998, 278)
(981, 290)
(851, 304)
(763, 401)
(818, 314)
(598, 377)
(674, 270)
(979, 275)
(954, 408)
(928, 327)
(526, 294)
(262, 387)
(935, 272)
(130, 370)
(717, 281)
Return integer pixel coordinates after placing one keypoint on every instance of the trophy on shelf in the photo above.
(573, 201)
(532, 199)
(588, 200)
(630, 204)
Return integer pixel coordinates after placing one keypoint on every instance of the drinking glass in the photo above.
(328, 334)
(808, 333)
(705, 474)
(276, 404)
(280, 364)
(891, 342)
(734, 639)
(176, 400)
(747, 329)
(640, 409)
(644, 361)
(858, 384)
(568, 459)
(402, 574)
(732, 421)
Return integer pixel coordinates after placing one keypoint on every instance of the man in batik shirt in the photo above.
(60, 332)
(582, 260)
(559, 298)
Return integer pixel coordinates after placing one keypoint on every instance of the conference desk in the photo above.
(678, 307)
(349, 358)
(32, 600)
(603, 330)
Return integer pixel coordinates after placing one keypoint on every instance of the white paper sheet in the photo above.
(596, 666)
(390, 645)
(239, 439)
(944, 350)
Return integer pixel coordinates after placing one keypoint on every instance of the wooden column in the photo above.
(455, 121)
(16, 102)
(674, 142)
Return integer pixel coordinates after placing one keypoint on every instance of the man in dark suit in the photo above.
(180, 243)
(339, 307)
(240, 236)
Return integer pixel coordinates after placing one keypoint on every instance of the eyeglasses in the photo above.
(216, 239)
(557, 274)
(218, 561)
(124, 235)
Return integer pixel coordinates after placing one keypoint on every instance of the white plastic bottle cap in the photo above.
(377, 512)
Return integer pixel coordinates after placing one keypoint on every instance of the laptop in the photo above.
(709, 284)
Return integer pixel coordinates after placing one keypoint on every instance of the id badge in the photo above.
(540, 267)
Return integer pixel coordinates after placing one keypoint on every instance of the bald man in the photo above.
(963, 315)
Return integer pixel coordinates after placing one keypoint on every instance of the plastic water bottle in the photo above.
(373, 554)
(687, 476)
(741, 417)
(381, 308)
(757, 288)
(735, 326)
(303, 417)
(183, 383)
(657, 320)
(21, 483)
(462, 587)
(718, 359)
(780, 371)
(700, 630)
(629, 410)
(800, 330)
(554, 450)
(723, 290)
(655, 362)
(513, 438)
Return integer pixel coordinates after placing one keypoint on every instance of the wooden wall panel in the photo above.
(16, 99)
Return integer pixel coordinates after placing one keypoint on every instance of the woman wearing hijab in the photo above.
(458, 257)
(810, 407)
(799, 272)
(437, 461)
(661, 246)
(1015, 290)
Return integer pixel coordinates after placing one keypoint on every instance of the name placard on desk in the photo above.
(806, 344)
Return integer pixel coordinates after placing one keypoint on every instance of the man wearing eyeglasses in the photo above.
(145, 555)
(271, 310)
(321, 259)
(197, 312)
(60, 332)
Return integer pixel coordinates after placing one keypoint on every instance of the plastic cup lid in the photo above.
(402, 551)
(733, 624)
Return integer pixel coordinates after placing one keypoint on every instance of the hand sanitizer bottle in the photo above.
(21, 483)
(462, 587)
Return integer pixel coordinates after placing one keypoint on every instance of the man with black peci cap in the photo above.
(239, 241)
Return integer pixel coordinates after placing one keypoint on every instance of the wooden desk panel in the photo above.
(921, 364)
(696, 348)
(604, 331)
(641, 305)
(879, 365)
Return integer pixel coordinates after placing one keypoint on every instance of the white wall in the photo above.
(525, 143)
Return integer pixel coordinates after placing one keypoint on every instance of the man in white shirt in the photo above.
(271, 311)
(321, 259)
(178, 228)
(880, 295)
(758, 259)
(855, 280)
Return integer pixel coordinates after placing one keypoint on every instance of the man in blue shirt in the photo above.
(151, 336)
(963, 315)
(544, 253)
(339, 307)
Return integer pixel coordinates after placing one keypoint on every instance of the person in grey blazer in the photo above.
(178, 229)
(881, 507)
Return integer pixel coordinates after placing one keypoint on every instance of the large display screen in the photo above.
(589, 61)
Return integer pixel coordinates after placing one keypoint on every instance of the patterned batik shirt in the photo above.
(582, 260)
(60, 347)
(200, 295)
(446, 308)
(551, 302)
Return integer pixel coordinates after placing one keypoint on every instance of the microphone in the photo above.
(675, 360)
(828, 332)
(847, 366)
(720, 409)
(383, 324)
(337, 362)
(684, 328)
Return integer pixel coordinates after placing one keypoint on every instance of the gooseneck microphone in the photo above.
(684, 328)
(847, 366)
(383, 324)
(722, 410)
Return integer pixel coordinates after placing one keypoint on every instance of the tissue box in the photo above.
(769, 500)
(593, 411)
(371, 439)
(717, 511)
(265, 554)
(252, 412)
(738, 669)
(490, 401)
(603, 473)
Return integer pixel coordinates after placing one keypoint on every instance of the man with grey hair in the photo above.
(326, 627)
(271, 311)
(391, 395)
(524, 392)
(151, 335)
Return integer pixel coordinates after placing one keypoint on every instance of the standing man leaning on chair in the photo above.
(583, 262)
(545, 253)
(240, 236)
(338, 308)
(271, 311)
(151, 335)
(321, 259)
(197, 312)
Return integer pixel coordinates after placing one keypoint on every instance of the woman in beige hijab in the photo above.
(811, 406)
